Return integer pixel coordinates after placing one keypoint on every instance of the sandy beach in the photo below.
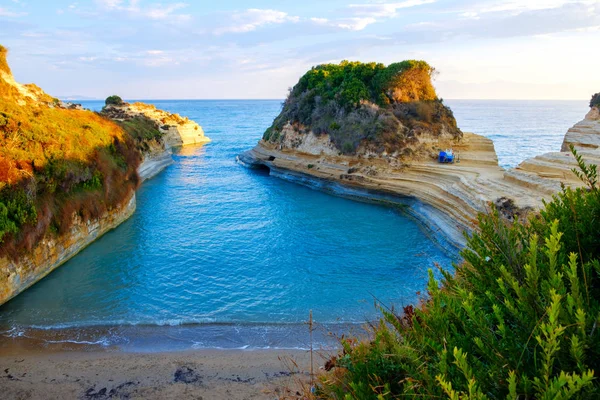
(202, 374)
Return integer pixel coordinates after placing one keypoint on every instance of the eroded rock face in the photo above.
(50, 253)
(450, 196)
(177, 130)
(585, 135)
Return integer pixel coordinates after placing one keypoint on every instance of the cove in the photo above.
(220, 248)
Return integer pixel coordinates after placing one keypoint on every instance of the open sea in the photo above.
(219, 256)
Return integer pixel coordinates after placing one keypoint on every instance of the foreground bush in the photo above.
(519, 318)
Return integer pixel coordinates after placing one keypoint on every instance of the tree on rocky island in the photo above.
(114, 101)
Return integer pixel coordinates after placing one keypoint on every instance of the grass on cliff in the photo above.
(366, 103)
(57, 163)
(519, 319)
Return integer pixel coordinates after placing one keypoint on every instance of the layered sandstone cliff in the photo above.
(448, 196)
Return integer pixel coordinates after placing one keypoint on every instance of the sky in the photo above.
(234, 49)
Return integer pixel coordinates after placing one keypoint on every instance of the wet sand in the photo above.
(206, 374)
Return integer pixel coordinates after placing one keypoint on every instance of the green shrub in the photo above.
(595, 101)
(267, 134)
(348, 148)
(141, 128)
(114, 100)
(16, 209)
(518, 319)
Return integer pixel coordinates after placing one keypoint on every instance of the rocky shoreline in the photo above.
(446, 198)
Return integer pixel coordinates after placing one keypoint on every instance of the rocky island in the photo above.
(69, 175)
(379, 130)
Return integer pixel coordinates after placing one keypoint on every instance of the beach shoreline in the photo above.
(40, 373)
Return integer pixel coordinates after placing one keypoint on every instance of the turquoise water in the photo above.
(221, 256)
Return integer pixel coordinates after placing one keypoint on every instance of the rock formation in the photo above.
(449, 196)
(176, 130)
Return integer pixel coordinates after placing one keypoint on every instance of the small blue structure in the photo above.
(446, 157)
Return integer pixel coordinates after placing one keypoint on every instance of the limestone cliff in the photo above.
(175, 129)
(584, 135)
(449, 196)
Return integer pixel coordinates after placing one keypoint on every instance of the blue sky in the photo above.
(534, 49)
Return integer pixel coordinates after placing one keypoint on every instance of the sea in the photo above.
(220, 256)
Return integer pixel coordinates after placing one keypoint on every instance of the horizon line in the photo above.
(282, 99)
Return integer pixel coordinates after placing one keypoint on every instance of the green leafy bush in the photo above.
(595, 102)
(16, 209)
(518, 319)
(114, 100)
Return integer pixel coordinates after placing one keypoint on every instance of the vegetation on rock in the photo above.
(114, 101)
(518, 319)
(383, 108)
(58, 163)
(595, 101)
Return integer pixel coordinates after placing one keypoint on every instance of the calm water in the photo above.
(519, 129)
(221, 256)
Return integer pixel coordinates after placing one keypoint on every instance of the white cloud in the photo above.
(516, 7)
(364, 15)
(154, 11)
(351, 24)
(34, 34)
(385, 9)
(254, 18)
(12, 14)
(164, 12)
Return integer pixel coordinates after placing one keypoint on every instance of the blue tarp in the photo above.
(445, 157)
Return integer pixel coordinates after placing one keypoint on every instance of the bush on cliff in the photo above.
(595, 102)
(519, 318)
(366, 103)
